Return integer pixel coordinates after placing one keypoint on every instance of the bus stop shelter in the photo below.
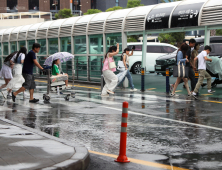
(88, 37)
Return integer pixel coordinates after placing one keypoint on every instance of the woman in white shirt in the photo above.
(125, 58)
(17, 81)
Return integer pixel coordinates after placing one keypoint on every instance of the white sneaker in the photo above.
(194, 96)
(133, 89)
(104, 95)
(68, 87)
(110, 92)
(210, 91)
(4, 94)
(174, 95)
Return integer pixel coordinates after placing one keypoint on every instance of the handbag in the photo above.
(121, 66)
(111, 64)
(180, 71)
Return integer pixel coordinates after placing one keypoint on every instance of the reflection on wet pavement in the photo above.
(180, 131)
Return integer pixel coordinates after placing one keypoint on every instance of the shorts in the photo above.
(29, 81)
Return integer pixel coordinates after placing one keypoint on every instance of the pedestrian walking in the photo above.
(192, 43)
(202, 58)
(27, 72)
(194, 54)
(6, 71)
(108, 71)
(16, 82)
(125, 57)
(183, 59)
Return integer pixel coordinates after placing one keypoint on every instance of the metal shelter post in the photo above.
(144, 50)
(207, 36)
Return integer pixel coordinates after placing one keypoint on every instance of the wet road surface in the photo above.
(176, 132)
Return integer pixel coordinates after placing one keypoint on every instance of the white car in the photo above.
(154, 50)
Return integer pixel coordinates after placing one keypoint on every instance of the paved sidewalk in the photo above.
(24, 148)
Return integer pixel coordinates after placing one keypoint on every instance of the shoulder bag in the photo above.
(180, 71)
(111, 64)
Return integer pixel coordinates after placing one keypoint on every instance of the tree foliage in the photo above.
(134, 3)
(131, 39)
(172, 38)
(92, 11)
(219, 32)
(114, 8)
(63, 13)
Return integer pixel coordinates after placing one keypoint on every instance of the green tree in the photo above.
(133, 3)
(114, 8)
(172, 38)
(92, 11)
(131, 39)
(63, 13)
(219, 32)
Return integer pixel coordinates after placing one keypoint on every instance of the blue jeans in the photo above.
(129, 77)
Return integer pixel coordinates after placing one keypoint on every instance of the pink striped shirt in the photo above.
(106, 64)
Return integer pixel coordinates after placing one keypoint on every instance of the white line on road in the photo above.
(156, 117)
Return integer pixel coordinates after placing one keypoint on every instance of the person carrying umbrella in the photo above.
(27, 73)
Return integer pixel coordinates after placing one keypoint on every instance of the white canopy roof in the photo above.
(125, 20)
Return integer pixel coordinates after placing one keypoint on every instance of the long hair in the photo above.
(124, 51)
(22, 50)
(111, 49)
(53, 63)
(183, 48)
(196, 45)
(9, 57)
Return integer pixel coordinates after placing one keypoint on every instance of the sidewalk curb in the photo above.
(79, 161)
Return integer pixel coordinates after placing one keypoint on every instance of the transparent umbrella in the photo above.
(62, 56)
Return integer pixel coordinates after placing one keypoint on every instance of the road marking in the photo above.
(74, 85)
(141, 162)
(156, 117)
(178, 91)
(212, 101)
(151, 89)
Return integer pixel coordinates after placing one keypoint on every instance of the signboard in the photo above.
(186, 15)
(158, 18)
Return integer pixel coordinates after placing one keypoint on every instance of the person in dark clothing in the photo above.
(192, 43)
(27, 72)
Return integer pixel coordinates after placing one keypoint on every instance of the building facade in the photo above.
(103, 5)
(9, 6)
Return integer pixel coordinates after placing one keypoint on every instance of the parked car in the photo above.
(154, 50)
(169, 60)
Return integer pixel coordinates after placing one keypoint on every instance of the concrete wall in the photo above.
(8, 23)
(3, 5)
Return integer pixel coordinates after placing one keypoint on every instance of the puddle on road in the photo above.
(98, 128)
